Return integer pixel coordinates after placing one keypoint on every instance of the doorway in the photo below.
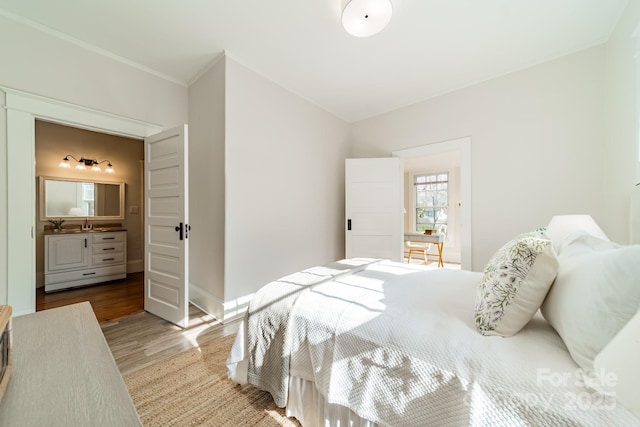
(435, 205)
(22, 111)
(456, 153)
(53, 142)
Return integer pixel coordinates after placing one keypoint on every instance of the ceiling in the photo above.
(430, 47)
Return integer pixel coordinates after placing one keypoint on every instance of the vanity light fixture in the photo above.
(364, 18)
(85, 163)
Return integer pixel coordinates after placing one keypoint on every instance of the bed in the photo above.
(366, 342)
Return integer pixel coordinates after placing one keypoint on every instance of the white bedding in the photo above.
(397, 345)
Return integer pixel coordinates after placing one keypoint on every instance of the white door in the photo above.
(374, 208)
(166, 276)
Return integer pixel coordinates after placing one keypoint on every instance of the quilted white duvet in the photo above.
(397, 345)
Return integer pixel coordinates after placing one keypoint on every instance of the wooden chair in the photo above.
(418, 248)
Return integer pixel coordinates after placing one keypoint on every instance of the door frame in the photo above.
(23, 109)
(463, 145)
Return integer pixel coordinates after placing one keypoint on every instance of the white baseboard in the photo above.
(224, 311)
(235, 308)
(206, 302)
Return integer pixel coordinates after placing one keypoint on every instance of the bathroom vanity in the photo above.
(75, 258)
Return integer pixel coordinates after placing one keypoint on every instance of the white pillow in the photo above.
(596, 292)
(615, 358)
(514, 284)
(561, 226)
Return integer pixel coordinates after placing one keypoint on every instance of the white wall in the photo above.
(284, 183)
(38, 63)
(622, 167)
(537, 144)
(4, 226)
(206, 189)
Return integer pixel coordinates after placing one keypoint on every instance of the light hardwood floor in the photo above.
(144, 339)
(137, 338)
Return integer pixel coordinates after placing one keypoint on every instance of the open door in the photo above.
(166, 275)
(373, 202)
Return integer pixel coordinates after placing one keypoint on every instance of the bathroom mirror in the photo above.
(71, 198)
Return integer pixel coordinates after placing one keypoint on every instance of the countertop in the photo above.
(80, 230)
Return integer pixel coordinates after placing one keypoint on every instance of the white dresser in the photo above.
(74, 259)
(63, 373)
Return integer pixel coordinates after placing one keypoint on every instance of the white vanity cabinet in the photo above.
(78, 259)
(66, 251)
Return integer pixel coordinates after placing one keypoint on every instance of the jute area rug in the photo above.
(192, 389)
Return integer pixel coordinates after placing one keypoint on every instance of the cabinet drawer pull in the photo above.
(108, 259)
(88, 274)
(108, 249)
(108, 238)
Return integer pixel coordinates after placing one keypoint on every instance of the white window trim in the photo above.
(451, 213)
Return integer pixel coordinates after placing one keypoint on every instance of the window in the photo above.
(431, 201)
(88, 197)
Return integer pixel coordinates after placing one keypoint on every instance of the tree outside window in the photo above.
(431, 201)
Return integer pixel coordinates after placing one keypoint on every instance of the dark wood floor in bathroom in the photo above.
(110, 301)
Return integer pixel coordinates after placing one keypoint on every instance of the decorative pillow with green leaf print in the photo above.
(515, 283)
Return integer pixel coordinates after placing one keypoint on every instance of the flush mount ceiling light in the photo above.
(364, 18)
(84, 163)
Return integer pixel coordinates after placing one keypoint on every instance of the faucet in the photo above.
(87, 226)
